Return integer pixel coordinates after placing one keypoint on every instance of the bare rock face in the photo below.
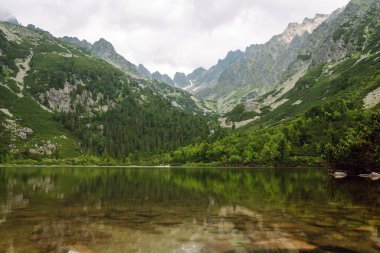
(372, 98)
(59, 99)
(16, 129)
(103, 48)
(68, 98)
(260, 67)
(163, 78)
(142, 70)
(44, 147)
(346, 32)
(81, 43)
(24, 132)
(181, 80)
(295, 29)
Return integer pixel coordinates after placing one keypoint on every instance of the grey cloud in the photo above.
(169, 35)
(214, 13)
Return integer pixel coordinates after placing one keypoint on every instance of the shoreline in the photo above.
(159, 166)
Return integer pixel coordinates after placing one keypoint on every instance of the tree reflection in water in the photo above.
(186, 210)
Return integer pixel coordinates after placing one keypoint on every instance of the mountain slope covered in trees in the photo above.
(58, 100)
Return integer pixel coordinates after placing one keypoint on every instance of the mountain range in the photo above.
(59, 98)
(105, 50)
(260, 68)
(66, 97)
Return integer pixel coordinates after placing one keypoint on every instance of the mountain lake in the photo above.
(179, 210)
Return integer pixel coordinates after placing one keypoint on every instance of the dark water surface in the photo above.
(186, 210)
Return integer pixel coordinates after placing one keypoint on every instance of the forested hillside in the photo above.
(59, 101)
(326, 111)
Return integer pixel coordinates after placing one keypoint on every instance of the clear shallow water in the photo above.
(186, 210)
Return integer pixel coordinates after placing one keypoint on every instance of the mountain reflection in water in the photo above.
(186, 210)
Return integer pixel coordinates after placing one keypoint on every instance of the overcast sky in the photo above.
(169, 35)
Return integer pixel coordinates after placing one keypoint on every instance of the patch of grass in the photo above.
(239, 114)
(350, 81)
(43, 124)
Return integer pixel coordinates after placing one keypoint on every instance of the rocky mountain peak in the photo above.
(103, 47)
(181, 80)
(143, 71)
(162, 78)
(105, 50)
(167, 79)
(295, 29)
(156, 74)
(81, 43)
(231, 57)
(245, 70)
(196, 73)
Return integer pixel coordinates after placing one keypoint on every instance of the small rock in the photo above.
(375, 176)
(339, 174)
(284, 244)
(76, 248)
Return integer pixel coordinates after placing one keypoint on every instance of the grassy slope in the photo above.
(26, 111)
(40, 121)
(349, 80)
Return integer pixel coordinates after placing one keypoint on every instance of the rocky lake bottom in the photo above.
(186, 210)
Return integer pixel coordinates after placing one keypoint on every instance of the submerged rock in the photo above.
(285, 244)
(75, 248)
(339, 174)
(374, 176)
(275, 241)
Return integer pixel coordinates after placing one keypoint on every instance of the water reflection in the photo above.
(186, 210)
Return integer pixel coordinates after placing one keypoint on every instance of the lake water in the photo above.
(186, 210)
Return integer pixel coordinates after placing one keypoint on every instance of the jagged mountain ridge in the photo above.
(241, 76)
(340, 59)
(105, 50)
(144, 72)
(180, 80)
(160, 84)
(349, 30)
(258, 69)
(58, 100)
(162, 78)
